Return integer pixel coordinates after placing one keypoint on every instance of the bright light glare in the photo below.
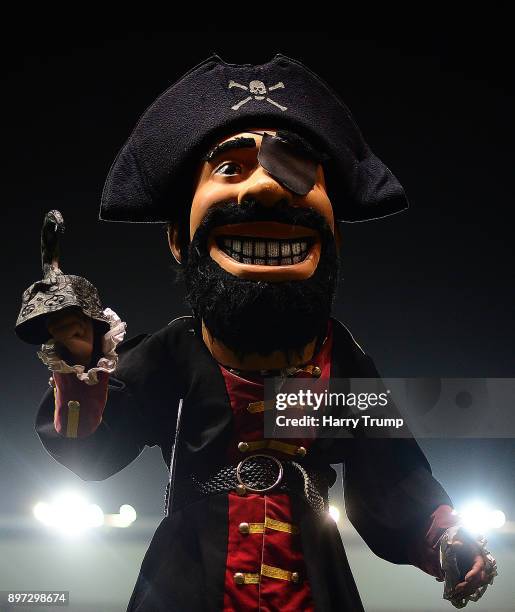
(43, 512)
(69, 513)
(126, 517)
(128, 513)
(334, 513)
(478, 518)
(497, 519)
(94, 516)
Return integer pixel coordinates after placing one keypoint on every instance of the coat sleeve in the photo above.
(391, 496)
(135, 412)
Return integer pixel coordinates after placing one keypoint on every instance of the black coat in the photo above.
(388, 486)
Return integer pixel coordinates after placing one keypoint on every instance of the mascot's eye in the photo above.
(228, 169)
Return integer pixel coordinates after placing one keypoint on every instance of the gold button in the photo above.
(316, 372)
(244, 528)
(241, 490)
(243, 447)
(239, 578)
(295, 577)
(73, 405)
(301, 451)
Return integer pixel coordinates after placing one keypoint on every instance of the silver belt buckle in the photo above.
(255, 489)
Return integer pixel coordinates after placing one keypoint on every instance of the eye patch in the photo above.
(291, 167)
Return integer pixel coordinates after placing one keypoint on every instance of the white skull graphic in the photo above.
(258, 89)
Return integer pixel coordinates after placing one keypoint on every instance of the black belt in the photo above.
(260, 473)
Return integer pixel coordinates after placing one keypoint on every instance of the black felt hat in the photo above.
(153, 172)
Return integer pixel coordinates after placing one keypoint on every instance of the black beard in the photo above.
(261, 317)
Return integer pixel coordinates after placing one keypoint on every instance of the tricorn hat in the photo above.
(154, 169)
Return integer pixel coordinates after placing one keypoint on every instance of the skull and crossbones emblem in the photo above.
(259, 91)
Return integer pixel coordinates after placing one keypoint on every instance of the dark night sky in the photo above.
(429, 292)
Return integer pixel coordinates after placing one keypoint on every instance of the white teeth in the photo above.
(265, 252)
(285, 249)
(273, 249)
(260, 249)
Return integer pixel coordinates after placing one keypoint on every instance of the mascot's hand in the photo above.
(72, 331)
(468, 555)
(467, 565)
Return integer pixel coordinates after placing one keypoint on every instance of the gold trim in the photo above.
(254, 407)
(289, 449)
(272, 524)
(280, 526)
(270, 572)
(256, 445)
(72, 424)
(250, 578)
(276, 572)
(283, 447)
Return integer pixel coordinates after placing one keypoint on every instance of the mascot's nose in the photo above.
(264, 188)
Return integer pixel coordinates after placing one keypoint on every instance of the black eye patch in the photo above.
(289, 165)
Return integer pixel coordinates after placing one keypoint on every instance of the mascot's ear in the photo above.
(174, 242)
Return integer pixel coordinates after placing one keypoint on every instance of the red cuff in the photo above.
(424, 552)
(78, 406)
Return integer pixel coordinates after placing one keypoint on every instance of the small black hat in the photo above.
(154, 169)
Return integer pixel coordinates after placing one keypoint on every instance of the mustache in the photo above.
(251, 210)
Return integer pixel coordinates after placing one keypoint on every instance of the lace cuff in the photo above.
(107, 363)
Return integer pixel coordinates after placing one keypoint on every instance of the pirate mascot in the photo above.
(251, 167)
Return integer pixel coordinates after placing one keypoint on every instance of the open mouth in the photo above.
(265, 252)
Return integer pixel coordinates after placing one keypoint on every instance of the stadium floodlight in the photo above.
(125, 518)
(479, 518)
(334, 513)
(69, 513)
